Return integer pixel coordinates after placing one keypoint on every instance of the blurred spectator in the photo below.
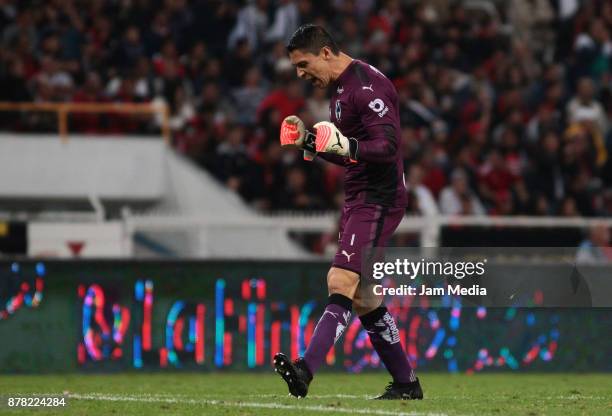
(434, 176)
(594, 49)
(129, 49)
(232, 162)
(53, 77)
(458, 198)
(126, 92)
(350, 38)
(496, 180)
(421, 201)
(182, 110)
(596, 247)
(584, 106)
(195, 63)
(285, 100)
(212, 104)
(547, 175)
(13, 85)
(247, 98)
(251, 24)
(91, 92)
(318, 105)
(509, 102)
(167, 60)
(286, 21)
(531, 20)
(168, 83)
(22, 24)
(568, 208)
(14, 88)
(296, 193)
(238, 62)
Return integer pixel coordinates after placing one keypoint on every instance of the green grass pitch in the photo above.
(330, 394)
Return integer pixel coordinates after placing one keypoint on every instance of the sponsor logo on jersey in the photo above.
(378, 106)
(338, 110)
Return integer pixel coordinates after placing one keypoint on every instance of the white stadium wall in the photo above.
(69, 240)
(42, 166)
(126, 171)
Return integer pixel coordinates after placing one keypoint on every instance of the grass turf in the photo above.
(330, 394)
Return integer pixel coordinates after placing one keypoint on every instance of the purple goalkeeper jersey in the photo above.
(364, 106)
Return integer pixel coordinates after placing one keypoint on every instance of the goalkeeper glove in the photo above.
(293, 133)
(330, 140)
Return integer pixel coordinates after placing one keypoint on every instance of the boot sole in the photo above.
(282, 365)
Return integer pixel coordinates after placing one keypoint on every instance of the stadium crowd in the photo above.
(505, 105)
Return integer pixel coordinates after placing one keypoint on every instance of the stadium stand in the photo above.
(513, 97)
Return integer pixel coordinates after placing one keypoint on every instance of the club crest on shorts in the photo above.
(338, 110)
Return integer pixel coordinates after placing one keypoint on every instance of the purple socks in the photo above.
(332, 324)
(384, 336)
(381, 328)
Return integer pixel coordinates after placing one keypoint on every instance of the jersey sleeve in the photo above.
(375, 103)
(332, 158)
(376, 106)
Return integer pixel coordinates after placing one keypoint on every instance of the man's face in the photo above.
(460, 184)
(600, 235)
(313, 68)
(415, 175)
(585, 89)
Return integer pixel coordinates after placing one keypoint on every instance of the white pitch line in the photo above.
(317, 396)
(429, 396)
(317, 408)
(503, 398)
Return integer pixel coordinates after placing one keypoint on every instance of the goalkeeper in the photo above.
(364, 137)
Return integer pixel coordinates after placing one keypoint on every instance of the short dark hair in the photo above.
(312, 38)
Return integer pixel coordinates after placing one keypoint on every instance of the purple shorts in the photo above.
(363, 226)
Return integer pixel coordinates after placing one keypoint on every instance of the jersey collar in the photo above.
(345, 73)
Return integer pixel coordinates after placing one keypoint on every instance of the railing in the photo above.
(428, 228)
(183, 236)
(64, 109)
